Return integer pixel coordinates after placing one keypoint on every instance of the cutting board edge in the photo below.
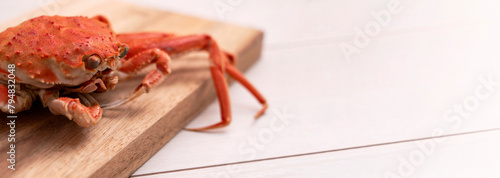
(252, 54)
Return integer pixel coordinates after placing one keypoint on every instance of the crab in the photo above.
(54, 56)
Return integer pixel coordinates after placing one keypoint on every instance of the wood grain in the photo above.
(48, 145)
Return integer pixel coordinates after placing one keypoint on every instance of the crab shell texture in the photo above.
(49, 51)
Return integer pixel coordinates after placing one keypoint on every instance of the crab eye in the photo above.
(92, 61)
(123, 50)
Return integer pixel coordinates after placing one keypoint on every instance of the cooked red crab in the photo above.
(55, 55)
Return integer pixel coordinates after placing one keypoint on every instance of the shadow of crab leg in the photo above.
(71, 108)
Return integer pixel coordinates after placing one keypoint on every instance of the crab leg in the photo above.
(223, 96)
(221, 63)
(84, 116)
(144, 36)
(89, 87)
(22, 100)
(236, 74)
(151, 79)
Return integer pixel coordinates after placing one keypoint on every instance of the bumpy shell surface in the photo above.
(48, 50)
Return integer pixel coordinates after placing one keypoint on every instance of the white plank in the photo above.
(398, 88)
(12, 9)
(472, 155)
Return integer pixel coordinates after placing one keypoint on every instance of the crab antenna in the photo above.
(137, 92)
(113, 104)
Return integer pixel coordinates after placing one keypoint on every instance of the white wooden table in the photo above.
(352, 92)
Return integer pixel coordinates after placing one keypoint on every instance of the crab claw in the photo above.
(72, 108)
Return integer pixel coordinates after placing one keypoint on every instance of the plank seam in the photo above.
(319, 152)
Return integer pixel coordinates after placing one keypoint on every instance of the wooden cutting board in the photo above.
(127, 136)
